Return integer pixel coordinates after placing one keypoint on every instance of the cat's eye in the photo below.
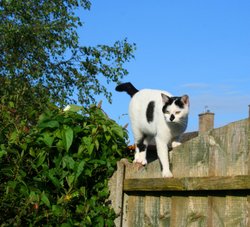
(177, 112)
(167, 112)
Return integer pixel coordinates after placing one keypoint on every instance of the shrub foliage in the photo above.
(56, 172)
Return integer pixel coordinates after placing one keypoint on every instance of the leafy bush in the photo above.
(56, 173)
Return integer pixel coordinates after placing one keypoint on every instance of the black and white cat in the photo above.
(156, 114)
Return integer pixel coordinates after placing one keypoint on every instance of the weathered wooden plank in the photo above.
(217, 207)
(188, 183)
(165, 211)
(133, 211)
(153, 184)
(116, 191)
(191, 158)
(151, 211)
(189, 211)
(179, 211)
(231, 146)
(228, 211)
(197, 211)
(236, 211)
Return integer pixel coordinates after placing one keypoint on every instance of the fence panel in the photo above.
(210, 187)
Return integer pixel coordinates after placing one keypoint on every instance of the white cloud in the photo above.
(196, 85)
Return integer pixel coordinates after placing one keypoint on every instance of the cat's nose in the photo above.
(172, 117)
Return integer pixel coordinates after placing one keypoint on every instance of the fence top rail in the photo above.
(214, 183)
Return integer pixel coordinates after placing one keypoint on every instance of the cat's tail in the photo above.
(127, 87)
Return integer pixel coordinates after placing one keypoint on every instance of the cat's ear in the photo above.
(165, 98)
(185, 99)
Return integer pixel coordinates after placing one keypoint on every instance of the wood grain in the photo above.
(188, 184)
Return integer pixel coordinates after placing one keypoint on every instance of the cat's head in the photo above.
(175, 109)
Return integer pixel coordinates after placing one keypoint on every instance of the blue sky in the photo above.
(199, 48)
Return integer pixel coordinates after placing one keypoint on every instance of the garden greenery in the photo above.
(55, 165)
(56, 172)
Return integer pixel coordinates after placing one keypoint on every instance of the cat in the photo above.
(156, 114)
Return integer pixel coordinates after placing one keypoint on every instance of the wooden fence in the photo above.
(210, 187)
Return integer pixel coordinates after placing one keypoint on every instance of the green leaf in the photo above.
(49, 124)
(66, 225)
(80, 169)
(97, 144)
(107, 137)
(68, 161)
(57, 210)
(53, 179)
(13, 137)
(2, 153)
(24, 146)
(41, 158)
(11, 104)
(100, 221)
(116, 129)
(45, 199)
(70, 179)
(48, 139)
(67, 137)
(80, 209)
(88, 220)
(33, 197)
(88, 143)
(114, 147)
(81, 148)
(90, 148)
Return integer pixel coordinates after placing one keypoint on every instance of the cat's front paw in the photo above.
(167, 174)
(175, 144)
(140, 158)
(141, 161)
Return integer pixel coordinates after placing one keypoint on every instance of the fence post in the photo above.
(206, 121)
(116, 190)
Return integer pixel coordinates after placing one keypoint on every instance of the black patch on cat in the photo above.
(177, 101)
(150, 111)
(164, 108)
(141, 145)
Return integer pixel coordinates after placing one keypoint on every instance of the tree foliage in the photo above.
(56, 173)
(40, 50)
